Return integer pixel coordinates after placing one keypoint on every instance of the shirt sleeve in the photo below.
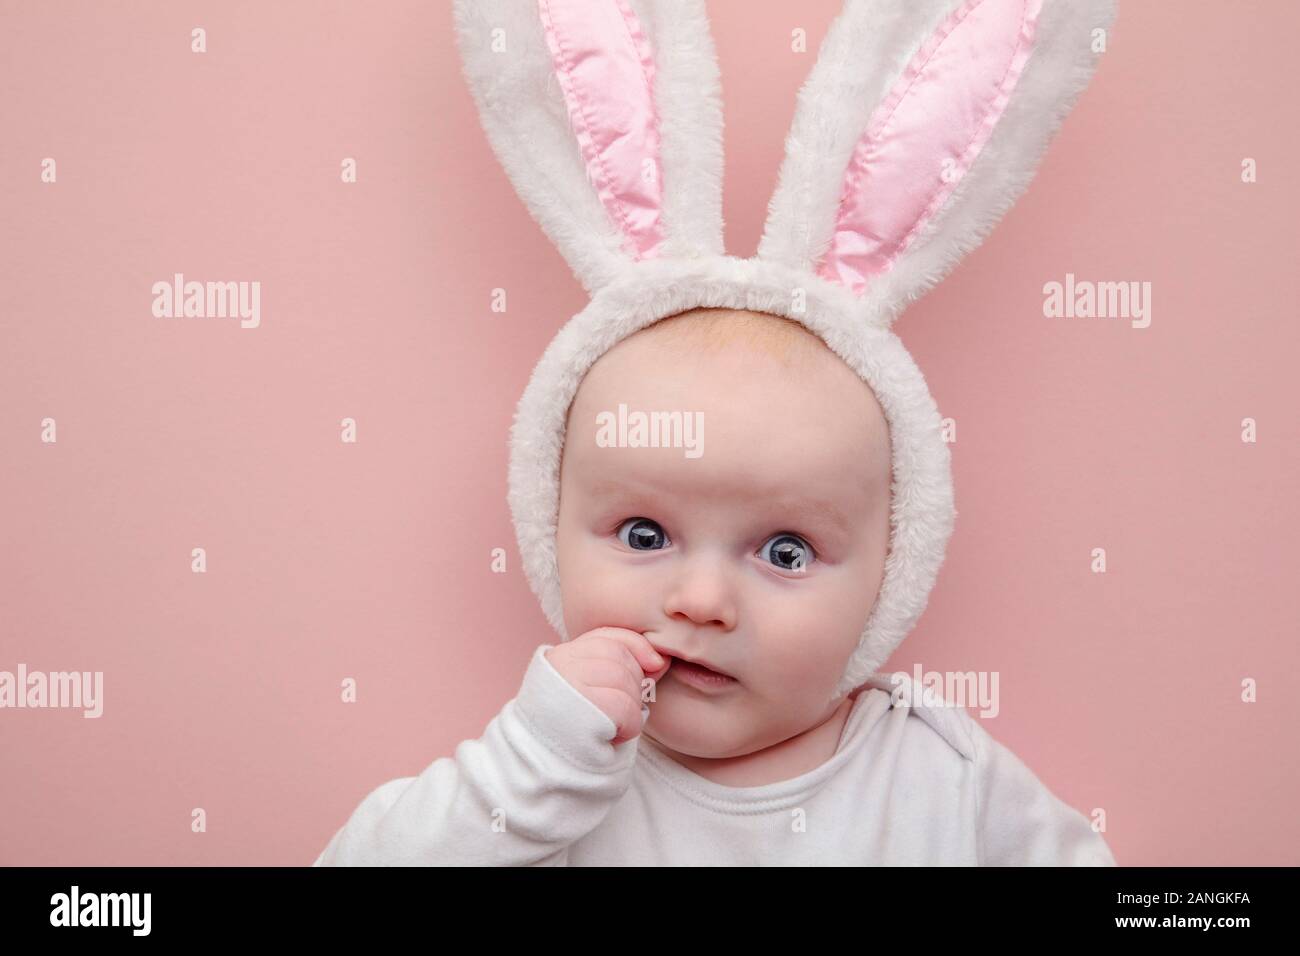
(1021, 822)
(544, 774)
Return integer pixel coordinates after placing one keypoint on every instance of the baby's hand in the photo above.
(607, 665)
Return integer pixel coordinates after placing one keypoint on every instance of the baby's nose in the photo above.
(703, 593)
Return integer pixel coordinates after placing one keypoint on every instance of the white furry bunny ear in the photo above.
(918, 127)
(607, 118)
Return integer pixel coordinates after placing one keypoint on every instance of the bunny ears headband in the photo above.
(919, 125)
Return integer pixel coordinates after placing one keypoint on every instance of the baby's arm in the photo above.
(1021, 822)
(544, 773)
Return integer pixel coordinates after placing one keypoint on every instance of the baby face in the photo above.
(760, 553)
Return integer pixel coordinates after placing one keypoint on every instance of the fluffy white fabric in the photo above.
(866, 49)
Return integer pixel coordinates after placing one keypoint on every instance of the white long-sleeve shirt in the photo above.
(907, 785)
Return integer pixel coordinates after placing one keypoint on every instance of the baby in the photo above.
(724, 609)
(716, 600)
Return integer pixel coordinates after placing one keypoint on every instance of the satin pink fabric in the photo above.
(606, 71)
(926, 133)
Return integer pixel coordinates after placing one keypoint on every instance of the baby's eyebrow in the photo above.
(606, 487)
(815, 507)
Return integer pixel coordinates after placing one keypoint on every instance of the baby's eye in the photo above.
(788, 552)
(642, 534)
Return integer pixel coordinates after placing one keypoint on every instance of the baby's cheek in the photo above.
(597, 592)
(807, 641)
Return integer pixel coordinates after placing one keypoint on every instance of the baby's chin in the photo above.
(691, 744)
(706, 729)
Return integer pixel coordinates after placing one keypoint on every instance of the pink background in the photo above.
(328, 560)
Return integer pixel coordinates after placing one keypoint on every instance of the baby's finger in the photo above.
(623, 710)
(646, 656)
(598, 672)
(602, 648)
(658, 675)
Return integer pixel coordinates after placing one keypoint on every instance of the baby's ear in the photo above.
(607, 117)
(920, 124)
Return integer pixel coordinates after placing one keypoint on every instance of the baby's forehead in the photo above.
(770, 393)
(706, 345)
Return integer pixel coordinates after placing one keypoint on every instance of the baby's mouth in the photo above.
(699, 675)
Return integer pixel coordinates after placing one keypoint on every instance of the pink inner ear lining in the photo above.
(606, 71)
(944, 106)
